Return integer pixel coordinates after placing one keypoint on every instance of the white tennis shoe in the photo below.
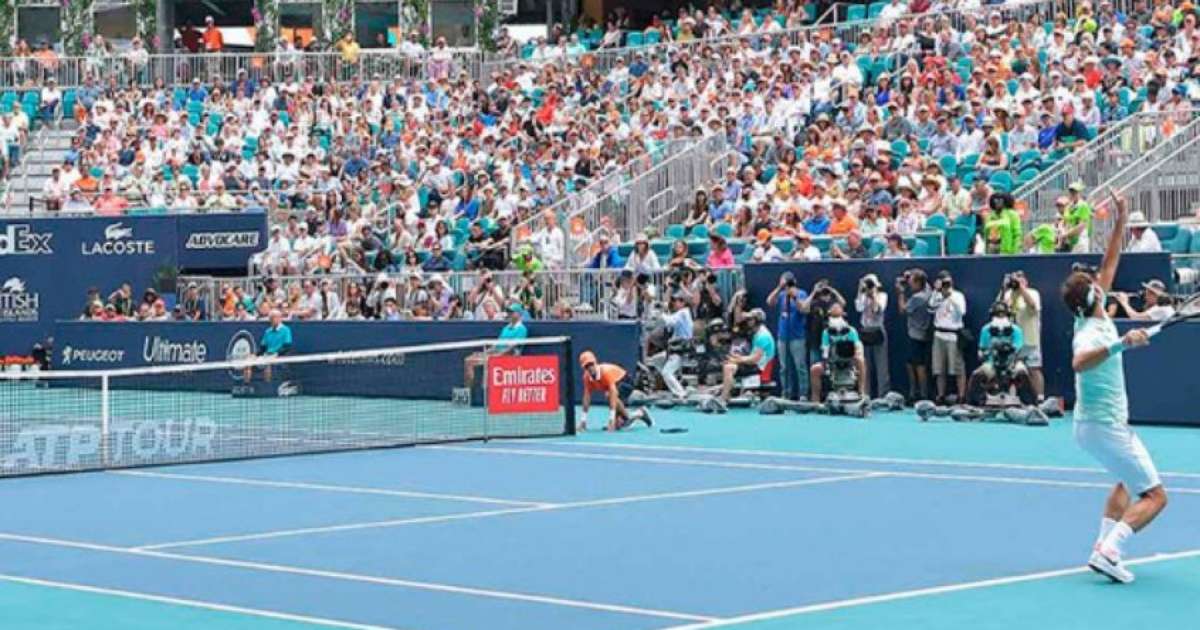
(1112, 569)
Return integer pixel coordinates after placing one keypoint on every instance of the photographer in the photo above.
(949, 306)
(1000, 343)
(529, 293)
(757, 361)
(679, 322)
(824, 298)
(703, 295)
(871, 303)
(1156, 303)
(634, 295)
(920, 323)
(837, 332)
(793, 311)
(1025, 305)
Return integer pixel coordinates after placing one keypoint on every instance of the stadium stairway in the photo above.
(43, 154)
(1102, 158)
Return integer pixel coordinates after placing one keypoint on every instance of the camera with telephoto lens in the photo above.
(1013, 280)
(643, 279)
(1091, 270)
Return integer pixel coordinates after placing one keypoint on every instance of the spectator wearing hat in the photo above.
(214, 41)
(1156, 303)
(765, 249)
(1142, 239)
(1077, 220)
(818, 222)
(606, 256)
(642, 259)
(804, 249)
(842, 222)
(719, 254)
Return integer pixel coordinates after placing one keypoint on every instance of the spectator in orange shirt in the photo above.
(110, 204)
(842, 223)
(616, 385)
(87, 184)
(213, 40)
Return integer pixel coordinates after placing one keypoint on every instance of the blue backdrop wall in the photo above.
(979, 279)
(47, 265)
(82, 345)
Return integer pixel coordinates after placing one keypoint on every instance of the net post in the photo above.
(105, 420)
(568, 372)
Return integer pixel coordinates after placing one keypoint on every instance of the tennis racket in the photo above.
(1184, 311)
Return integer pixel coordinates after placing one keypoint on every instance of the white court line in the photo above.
(364, 579)
(760, 466)
(849, 458)
(474, 515)
(192, 603)
(922, 592)
(268, 483)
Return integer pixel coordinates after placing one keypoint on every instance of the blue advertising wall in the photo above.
(47, 265)
(82, 345)
(979, 279)
(1161, 379)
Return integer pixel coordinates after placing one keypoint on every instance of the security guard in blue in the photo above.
(276, 341)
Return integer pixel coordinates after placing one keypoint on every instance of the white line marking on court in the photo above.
(474, 515)
(366, 579)
(191, 603)
(296, 485)
(848, 458)
(923, 592)
(760, 466)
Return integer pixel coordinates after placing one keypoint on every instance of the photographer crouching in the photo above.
(822, 300)
(871, 303)
(1000, 345)
(841, 358)
(915, 306)
(1025, 305)
(678, 321)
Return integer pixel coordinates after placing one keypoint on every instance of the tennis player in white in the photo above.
(1102, 410)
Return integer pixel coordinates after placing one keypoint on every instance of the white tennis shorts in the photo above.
(1119, 450)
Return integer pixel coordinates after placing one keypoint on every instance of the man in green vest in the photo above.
(1077, 221)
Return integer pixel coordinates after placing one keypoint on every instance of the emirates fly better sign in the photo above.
(526, 384)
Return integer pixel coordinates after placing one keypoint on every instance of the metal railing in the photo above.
(181, 68)
(570, 206)
(1164, 184)
(1114, 149)
(574, 294)
(639, 198)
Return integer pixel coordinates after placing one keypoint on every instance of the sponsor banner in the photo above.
(221, 241)
(80, 443)
(522, 384)
(83, 345)
(48, 265)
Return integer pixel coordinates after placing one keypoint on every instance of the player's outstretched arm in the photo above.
(1112, 253)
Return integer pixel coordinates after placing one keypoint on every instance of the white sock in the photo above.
(1106, 525)
(1114, 543)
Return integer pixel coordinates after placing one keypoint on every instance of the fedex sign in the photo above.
(527, 384)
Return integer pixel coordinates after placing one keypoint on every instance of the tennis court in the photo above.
(744, 521)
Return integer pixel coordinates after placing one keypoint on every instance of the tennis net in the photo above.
(89, 420)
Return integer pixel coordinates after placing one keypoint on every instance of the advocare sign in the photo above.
(522, 384)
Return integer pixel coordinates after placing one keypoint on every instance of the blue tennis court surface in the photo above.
(745, 521)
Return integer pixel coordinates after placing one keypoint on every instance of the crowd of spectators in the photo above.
(923, 116)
